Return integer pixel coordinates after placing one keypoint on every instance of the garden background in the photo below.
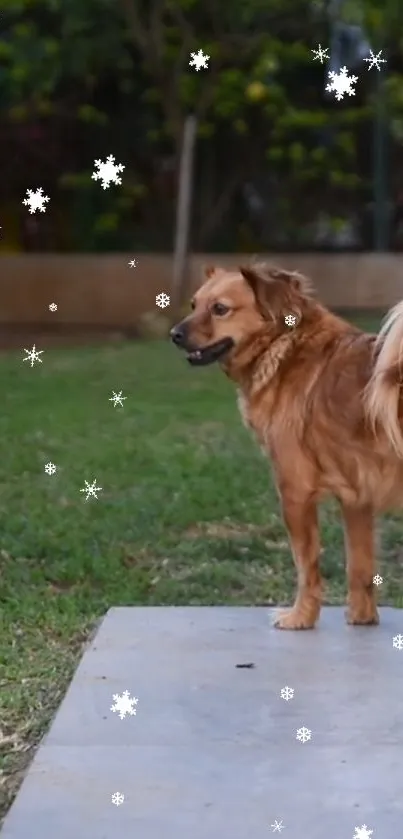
(187, 513)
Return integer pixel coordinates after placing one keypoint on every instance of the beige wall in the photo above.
(103, 291)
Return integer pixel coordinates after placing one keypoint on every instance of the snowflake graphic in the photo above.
(341, 83)
(375, 60)
(124, 704)
(91, 489)
(287, 693)
(117, 398)
(303, 734)
(290, 320)
(35, 200)
(117, 798)
(362, 832)
(53, 307)
(162, 300)
(199, 60)
(377, 580)
(320, 53)
(398, 642)
(107, 172)
(50, 468)
(277, 826)
(33, 355)
(132, 263)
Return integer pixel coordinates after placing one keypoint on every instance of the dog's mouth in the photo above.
(207, 355)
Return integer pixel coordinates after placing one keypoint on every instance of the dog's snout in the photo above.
(177, 334)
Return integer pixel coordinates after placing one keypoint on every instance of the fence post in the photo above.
(183, 212)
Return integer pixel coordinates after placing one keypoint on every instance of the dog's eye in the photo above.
(219, 309)
(192, 305)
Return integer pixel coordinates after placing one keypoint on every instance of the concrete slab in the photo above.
(212, 752)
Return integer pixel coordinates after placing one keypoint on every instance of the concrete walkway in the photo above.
(212, 751)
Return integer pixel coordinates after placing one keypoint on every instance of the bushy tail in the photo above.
(382, 395)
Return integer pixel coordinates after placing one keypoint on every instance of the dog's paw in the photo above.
(294, 619)
(360, 618)
(361, 609)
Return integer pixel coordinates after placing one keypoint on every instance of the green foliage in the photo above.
(89, 114)
(106, 222)
(113, 76)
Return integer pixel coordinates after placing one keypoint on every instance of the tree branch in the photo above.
(138, 32)
(220, 207)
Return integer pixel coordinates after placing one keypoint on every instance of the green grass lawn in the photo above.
(187, 515)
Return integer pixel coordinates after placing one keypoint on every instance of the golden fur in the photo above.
(324, 401)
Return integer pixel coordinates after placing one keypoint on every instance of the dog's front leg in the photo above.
(301, 521)
(359, 542)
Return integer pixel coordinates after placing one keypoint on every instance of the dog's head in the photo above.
(231, 308)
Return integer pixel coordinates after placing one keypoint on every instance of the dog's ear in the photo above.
(276, 290)
(262, 288)
(293, 279)
(252, 277)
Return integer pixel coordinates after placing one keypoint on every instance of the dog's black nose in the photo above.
(177, 334)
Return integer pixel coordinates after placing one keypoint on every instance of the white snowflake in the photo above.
(341, 83)
(398, 642)
(50, 468)
(290, 320)
(35, 200)
(375, 60)
(53, 307)
(118, 798)
(162, 300)
(91, 489)
(287, 693)
(303, 734)
(33, 355)
(199, 60)
(377, 580)
(132, 263)
(107, 172)
(124, 704)
(362, 832)
(117, 398)
(320, 53)
(277, 826)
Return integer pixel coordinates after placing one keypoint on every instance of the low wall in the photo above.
(103, 291)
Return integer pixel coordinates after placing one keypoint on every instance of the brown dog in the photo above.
(324, 400)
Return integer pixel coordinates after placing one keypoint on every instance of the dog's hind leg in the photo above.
(301, 521)
(360, 555)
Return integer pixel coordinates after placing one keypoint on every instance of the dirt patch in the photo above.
(228, 529)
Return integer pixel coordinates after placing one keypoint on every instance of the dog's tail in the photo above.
(382, 395)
